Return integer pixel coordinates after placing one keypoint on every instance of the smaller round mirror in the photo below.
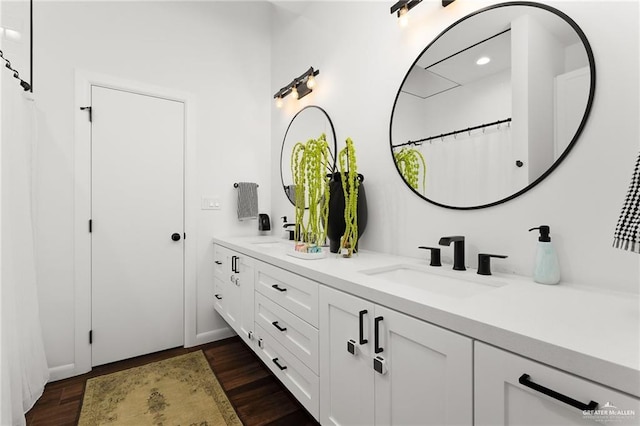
(308, 123)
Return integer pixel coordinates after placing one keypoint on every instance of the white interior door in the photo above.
(137, 205)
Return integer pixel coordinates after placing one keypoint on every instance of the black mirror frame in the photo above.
(592, 87)
(335, 145)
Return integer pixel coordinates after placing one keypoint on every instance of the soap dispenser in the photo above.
(546, 269)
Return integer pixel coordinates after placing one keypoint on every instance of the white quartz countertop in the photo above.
(590, 333)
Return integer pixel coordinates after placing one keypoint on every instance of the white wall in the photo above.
(217, 51)
(363, 56)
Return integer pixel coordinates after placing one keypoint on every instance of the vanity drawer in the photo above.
(300, 338)
(297, 377)
(218, 296)
(291, 291)
(219, 260)
(510, 389)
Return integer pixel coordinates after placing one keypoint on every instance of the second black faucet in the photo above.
(458, 250)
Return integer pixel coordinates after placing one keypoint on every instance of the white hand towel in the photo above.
(247, 200)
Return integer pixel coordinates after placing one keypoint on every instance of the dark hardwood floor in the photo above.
(258, 397)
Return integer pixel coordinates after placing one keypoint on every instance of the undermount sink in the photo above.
(456, 284)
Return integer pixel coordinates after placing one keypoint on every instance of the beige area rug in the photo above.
(177, 391)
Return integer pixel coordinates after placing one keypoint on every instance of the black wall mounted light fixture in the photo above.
(402, 7)
(299, 87)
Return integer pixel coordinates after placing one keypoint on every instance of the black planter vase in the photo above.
(336, 225)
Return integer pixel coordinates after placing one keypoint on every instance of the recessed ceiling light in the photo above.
(483, 61)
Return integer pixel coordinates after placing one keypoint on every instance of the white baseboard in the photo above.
(63, 372)
(69, 370)
(212, 336)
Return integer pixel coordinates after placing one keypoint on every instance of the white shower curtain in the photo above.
(470, 170)
(23, 362)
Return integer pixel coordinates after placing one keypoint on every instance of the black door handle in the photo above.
(278, 288)
(361, 315)
(524, 380)
(376, 335)
(175, 236)
(281, 367)
(218, 296)
(217, 262)
(275, 324)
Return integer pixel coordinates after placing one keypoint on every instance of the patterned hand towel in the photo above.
(247, 200)
(627, 234)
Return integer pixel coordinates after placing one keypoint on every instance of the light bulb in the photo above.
(483, 61)
(403, 17)
(294, 92)
(311, 82)
(279, 102)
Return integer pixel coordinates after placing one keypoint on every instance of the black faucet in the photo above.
(292, 232)
(458, 250)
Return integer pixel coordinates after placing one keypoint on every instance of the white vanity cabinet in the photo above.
(510, 389)
(234, 278)
(378, 366)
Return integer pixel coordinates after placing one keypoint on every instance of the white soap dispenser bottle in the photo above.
(546, 269)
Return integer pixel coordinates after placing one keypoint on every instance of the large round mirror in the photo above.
(308, 123)
(492, 105)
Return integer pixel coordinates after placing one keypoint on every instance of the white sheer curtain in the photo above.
(471, 169)
(23, 361)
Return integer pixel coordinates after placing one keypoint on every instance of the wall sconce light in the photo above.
(402, 8)
(299, 87)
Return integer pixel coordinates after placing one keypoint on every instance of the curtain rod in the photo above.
(26, 86)
(455, 132)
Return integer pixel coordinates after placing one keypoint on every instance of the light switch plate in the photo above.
(211, 203)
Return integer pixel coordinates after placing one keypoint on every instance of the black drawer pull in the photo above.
(376, 335)
(278, 288)
(218, 296)
(281, 367)
(217, 262)
(524, 381)
(361, 314)
(275, 324)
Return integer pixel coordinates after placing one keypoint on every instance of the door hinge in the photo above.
(90, 337)
(90, 225)
(88, 108)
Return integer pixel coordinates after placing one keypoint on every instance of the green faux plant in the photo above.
(350, 184)
(410, 162)
(309, 164)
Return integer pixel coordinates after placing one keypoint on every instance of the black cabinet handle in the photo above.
(217, 262)
(281, 367)
(175, 236)
(234, 264)
(218, 296)
(361, 314)
(376, 335)
(275, 324)
(278, 288)
(524, 381)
